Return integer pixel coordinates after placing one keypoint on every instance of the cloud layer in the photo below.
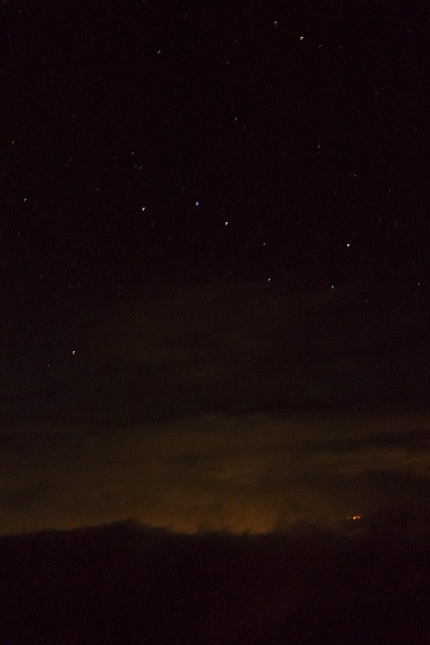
(238, 472)
(227, 405)
(248, 347)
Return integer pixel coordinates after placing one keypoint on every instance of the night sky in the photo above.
(214, 262)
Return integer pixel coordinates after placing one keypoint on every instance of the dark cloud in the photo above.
(248, 347)
(178, 351)
(226, 405)
(251, 472)
(415, 440)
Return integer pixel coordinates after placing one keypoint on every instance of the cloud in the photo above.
(415, 440)
(199, 334)
(241, 472)
(219, 345)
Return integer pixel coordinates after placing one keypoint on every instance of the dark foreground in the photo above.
(125, 584)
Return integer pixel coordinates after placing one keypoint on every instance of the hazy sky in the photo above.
(241, 472)
(225, 405)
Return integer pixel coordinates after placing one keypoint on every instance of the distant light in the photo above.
(225, 223)
(348, 245)
(356, 517)
(269, 279)
(73, 352)
(275, 22)
(332, 286)
(143, 208)
(197, 203)
(301, 37)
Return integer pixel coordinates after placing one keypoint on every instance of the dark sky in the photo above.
(214, 261)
